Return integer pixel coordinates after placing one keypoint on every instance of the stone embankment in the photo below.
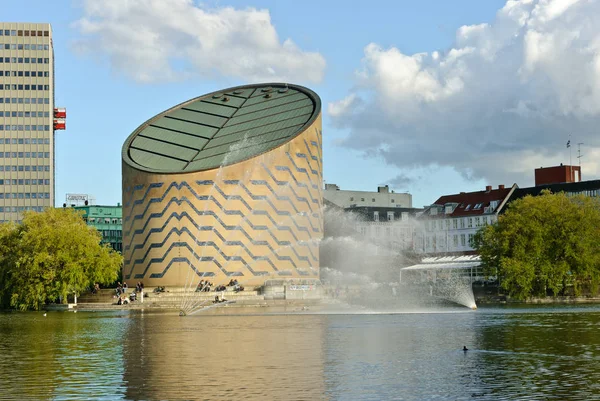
(175, 298)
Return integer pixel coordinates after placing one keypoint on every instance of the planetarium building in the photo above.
(226, 185)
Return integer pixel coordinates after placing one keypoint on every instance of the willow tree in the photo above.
(51, 255)
(544, 245)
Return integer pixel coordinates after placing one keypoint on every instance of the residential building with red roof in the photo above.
(449, 224)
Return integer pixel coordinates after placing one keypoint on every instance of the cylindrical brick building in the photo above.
(226, 185)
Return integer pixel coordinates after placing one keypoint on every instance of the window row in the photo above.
(103, 220)
(26, 87)
(24, 114)
(462, 240)
(456, 223)
(376, 231)
(38, 74)
(25, 141)
(19, 127)
(26, 60)
(112, 233)
(15, 209)
(25, 181)
(24, 168)
(372, 199)
(33, 155)
(588, 192)
(25, 100)
(24, 195)
(23, 32)
(23, 46)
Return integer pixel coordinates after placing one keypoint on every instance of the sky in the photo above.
(429, 97)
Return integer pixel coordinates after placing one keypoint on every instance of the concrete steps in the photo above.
(171, 299)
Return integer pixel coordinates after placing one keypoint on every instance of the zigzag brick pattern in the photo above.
(255, 219)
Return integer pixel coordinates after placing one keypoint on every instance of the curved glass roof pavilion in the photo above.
(201, 133)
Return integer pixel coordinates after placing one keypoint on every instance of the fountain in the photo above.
(366, 271)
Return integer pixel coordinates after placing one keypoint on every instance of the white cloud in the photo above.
(341, 107)
(158, 40)
(501, 102)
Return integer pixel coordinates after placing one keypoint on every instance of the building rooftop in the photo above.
(568, 187)
(474, 203)
(221, 128)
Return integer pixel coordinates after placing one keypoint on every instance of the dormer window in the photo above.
(477, 206)
(468, 207)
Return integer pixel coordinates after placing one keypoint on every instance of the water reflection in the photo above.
(224, 357)
(531, 353)
(548, 350)
(61, 356)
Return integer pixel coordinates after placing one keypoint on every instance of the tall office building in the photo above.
(27, 119)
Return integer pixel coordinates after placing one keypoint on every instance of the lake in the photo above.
(534, 352)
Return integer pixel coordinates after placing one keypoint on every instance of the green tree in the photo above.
(50, 255)
(544, 245)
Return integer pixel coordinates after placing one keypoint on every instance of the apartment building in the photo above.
(27, 119)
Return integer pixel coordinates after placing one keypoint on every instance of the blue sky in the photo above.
(455, 139)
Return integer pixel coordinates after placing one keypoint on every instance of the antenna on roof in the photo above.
(579, 155)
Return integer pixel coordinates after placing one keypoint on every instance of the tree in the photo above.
(50, 255)
(544, 244)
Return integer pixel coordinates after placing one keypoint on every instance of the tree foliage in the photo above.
(543, 245)
(50, 255)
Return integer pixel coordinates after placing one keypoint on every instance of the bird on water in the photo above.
(465, 348)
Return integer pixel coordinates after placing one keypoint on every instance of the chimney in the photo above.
(488, 188)
(501, 186)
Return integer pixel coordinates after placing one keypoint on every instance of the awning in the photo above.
(436, 266)
(447, 262)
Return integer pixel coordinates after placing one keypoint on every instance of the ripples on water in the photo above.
(516, 353)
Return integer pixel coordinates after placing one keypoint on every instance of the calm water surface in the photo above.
(515, 353)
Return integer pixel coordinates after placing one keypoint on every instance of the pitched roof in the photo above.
(473, 203)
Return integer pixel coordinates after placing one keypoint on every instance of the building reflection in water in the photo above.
(224, 356)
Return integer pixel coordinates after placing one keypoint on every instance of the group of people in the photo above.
(121, 291)
(204, 286)
(236, 286)
(121, 288)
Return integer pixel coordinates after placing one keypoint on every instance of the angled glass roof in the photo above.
(221, 128)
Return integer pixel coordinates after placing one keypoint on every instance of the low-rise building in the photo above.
(449, 224)
(382, 198)
(108, 220)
